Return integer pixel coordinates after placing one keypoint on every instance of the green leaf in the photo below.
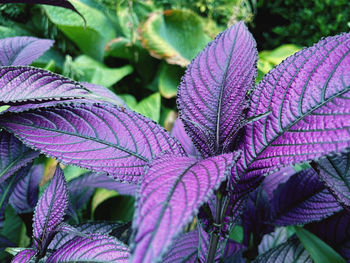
(169, 79)
(72, 171)
(123, 209)
(150, 107)
(97, 73)
(90, 39)
(237, 234)
(174, 35)
(12, 225)
(319, 251)
(101, 195)
(130, 100)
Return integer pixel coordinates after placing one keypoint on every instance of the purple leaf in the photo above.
(171, 192)
(22, 84)
(13, 155)
(288, 252)
(25, 195)
(211, 97)
(24, 256)
(22, 51)
(105, 93)
(50, 210)
(7, 187)
(304, 109)
(60, 3)
(184, 249)
(103, 138)
(302, 199)
(335, 173)
(335, 231)
(94, 180)
(87, 228)
(272, 181)
(179, 133)
(95, 248)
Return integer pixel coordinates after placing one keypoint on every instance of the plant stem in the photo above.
(214, 237)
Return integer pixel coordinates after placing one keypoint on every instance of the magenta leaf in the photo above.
(95, 248)
(335, 173)
(50, 210)
(184, 249)
(178, 131)
(25, 195)
(304, 108)
(211, 97)
(23, 84)
(24, 256)
(171, 192)
(302, 199)
(22, 51)
(86, 228)
(100, 137)
(288, 252)
(13, 155)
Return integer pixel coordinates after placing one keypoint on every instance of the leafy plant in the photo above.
(193, 190)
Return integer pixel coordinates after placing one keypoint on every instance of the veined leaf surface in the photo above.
(50, 209)
(24, 256)
(100, 137)
(95, 248)
(171, 192)
(335, 173)
(13, 155)
(22, 51)
(305, 109)
(211, 97)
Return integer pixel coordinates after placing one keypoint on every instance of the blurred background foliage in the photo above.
(140, 49)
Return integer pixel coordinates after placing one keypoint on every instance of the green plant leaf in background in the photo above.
(150, 107)
(100, 196)
(90, 39)
(169, 79)
(174, 35)
(319, 251)
(122, 209)
(97, 73)
(268, 59)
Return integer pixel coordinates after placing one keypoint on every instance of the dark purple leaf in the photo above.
(22, 84)
(232, 248)
(211, 97)
(60, 3)
(25, 195)
(24, 256)
(87, 228)
(13, 155)
(272, 181)
(50, 209)
(179, 133)
(7, 187)
(335, 173)
(171, 192)
(22, 51)
(95, 248)
(302, 199)
(335, 231)
(184, 249)
(103, 138)
(305, 107)
(290, 251)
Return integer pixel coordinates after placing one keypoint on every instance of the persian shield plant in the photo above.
(217, 174)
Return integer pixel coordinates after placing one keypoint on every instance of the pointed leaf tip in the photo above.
(50, 209)
(212, 95)
(171, 192)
